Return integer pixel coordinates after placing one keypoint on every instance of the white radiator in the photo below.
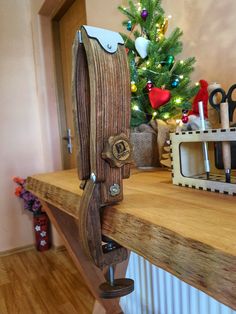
(158, 292)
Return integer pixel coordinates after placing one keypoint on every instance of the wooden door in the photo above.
(65, 29)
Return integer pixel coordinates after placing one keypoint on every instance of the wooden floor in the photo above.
(32, 283)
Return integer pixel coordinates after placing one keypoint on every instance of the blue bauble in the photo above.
(175, 83)
(129, 25)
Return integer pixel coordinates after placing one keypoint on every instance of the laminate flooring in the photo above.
(32, 282)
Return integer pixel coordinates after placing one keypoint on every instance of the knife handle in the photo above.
(224, 115)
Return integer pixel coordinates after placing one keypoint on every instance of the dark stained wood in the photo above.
(81, 108)
(101, 100)
(109, 109)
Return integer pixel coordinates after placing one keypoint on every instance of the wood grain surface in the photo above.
(33, 282)
(187, 232)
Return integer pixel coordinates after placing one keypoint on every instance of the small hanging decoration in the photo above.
(149, 86)
(175, 82)
(161, 30)
(164, 26)
(184, 116)
(129, 26)
(133, 87)
(144, 14)
(159, 97)
(170, 61)
(141, 45)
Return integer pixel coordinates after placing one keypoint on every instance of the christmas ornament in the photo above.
(202, 95)
(129, 26)
(185, 116)
(159, 97)
(141, 45)
(164, 26)
(144, 14)
(170, 60)
(149, 85)
(133, 87)
(175, 83)
(161, 30)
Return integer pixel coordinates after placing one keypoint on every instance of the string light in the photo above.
(154, 114)
(139, 7)
(136, 108)
(169, 16)
(181, 62)
(166, 115)
(197, 84)
(178, 100)
(181, 77)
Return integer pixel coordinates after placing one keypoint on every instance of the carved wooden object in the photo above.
(101, 97)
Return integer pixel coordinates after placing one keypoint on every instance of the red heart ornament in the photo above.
(159, 97)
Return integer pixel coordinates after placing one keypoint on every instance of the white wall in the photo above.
(21, 141)
(28, 117)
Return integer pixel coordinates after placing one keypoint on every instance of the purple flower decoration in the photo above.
(31, 202)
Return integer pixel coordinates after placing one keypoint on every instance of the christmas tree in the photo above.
(160, 83)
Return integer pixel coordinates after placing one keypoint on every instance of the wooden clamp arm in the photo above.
(101, 93)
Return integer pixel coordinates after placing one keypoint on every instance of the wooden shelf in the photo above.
(189, 233)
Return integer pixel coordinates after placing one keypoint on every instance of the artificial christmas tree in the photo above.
(160, 83)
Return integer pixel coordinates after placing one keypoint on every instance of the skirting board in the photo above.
(188, 163)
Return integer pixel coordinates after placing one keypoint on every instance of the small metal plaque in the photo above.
(121, 150)
(108, 40)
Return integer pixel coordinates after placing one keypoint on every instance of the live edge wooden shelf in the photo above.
(189, 233)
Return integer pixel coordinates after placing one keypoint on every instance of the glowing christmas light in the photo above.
(136, 108)
(166, 115)
(178, 100)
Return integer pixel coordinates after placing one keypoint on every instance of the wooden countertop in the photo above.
(188, 232)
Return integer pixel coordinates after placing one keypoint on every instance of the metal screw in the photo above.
(115, 189)
(109, 46)
(111, 275)
(93, 177)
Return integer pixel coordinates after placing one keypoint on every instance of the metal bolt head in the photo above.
(109, 46)
(115, 189)
(93, 177)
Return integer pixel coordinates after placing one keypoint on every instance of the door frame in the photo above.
(45, 34)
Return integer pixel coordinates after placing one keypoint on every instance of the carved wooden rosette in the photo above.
(101, 94)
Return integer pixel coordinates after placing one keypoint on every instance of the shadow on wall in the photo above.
(209, 35)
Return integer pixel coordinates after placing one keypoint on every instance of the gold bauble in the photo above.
(133, 88)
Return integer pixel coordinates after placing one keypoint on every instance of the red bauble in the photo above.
(159, 97)
(149, 86)
(184, 118)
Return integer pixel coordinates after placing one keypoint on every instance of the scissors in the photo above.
(225, 97)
